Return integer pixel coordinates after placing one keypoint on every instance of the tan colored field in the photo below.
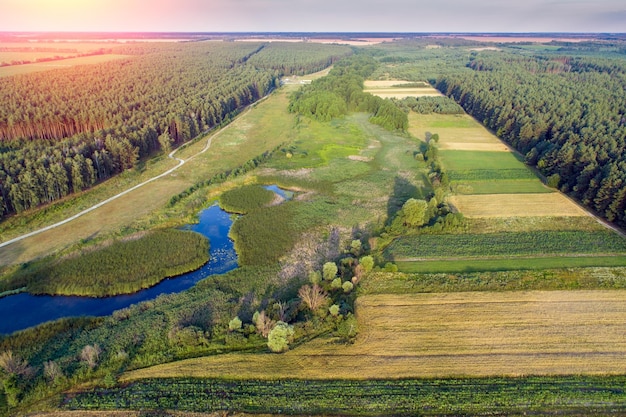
(438, 335)
(386, 89)
(515, 205)
(64, 63)
(456, 132)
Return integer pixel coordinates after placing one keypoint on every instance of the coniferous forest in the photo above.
(63, 131)
(565, 114)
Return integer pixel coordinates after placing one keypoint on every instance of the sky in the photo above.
(314, 15)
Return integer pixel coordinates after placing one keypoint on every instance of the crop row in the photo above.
(373, 397)
(506, 244)
(490, 174)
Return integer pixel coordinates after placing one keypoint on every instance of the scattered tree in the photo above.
(90, 355)
(279, 337)
(313, 296)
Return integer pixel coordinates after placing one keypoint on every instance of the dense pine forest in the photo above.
(63, 131)
(566, 115)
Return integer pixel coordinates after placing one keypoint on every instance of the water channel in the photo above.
(24, 310)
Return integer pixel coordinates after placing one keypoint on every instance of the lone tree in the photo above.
(279, 338)
(90, 355)
(414, 212)
(313, 296)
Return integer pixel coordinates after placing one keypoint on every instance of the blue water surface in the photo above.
(24, 310)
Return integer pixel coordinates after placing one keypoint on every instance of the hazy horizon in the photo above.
(319, 16)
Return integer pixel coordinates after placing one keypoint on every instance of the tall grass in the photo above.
(123, 267)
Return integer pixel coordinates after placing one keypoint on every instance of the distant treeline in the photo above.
(63, 131)
(566, 114)
(342, 91)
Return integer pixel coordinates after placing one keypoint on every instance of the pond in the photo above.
(24, 310)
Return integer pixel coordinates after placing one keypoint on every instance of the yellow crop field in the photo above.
(452, 334)
(515, 205)
(64, 63)
(398, 89)
(456, 132)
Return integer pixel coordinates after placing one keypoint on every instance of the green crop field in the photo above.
(513, 264)
(477, 160)
(516, 244)
(427, 397)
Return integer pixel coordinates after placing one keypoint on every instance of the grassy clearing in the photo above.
(501, 187)
(512, 205)
(65, 63)
(442, 335)
(511, 264)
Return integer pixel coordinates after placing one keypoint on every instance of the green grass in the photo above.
(584, 278)
(476, 265)
(586, 395)
(515, 244)
(479, 160)
(122, 267)
(245, 199)
(491, 174)
(501, 187)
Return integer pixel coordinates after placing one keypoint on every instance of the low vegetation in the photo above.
(436, 397)
(243, 200)
(121, 267)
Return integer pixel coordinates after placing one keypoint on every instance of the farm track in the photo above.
(181, 162)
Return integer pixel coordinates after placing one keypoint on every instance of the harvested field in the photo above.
(399, 89)
(454, 334)
(64, 63)
(476, 146)
(512, 205)
(456, 132)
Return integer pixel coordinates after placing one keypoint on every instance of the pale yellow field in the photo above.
(456, 132)
(401, 93)
(438, 335)
(515, 205)
(64, 63)
(386, 89)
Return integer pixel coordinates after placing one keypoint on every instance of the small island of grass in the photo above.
(123, 267)
(245, 199)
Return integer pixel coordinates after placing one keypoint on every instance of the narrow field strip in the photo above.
(512, 205)
(445, 335)
(510, 264)
(512, 186)
(506, 244)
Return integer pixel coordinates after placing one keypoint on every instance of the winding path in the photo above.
(181, 162)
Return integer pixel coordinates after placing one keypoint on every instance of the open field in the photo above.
(65, 63)
(461, 160)
(511, 264)
(501, 187)
(399, 89)
(454, 334)
(512, 205)
(459, 132)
